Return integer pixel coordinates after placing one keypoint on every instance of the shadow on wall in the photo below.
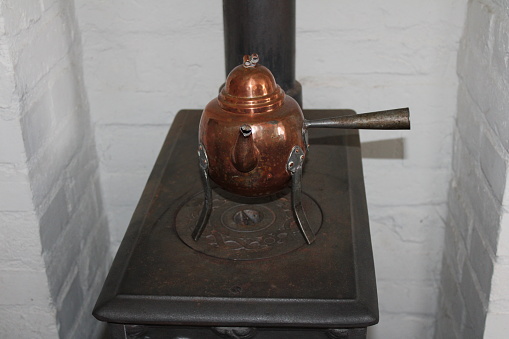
(377, 149)
(384, 149)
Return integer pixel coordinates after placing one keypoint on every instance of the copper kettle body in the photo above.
(253, 133)
(249, 132)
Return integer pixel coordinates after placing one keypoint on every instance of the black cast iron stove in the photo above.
(251, 274)
(264, 281)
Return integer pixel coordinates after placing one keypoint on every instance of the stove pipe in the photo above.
(265, 27)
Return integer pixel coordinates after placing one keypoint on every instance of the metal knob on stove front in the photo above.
(253, 140)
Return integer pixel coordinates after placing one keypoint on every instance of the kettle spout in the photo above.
(244, 153)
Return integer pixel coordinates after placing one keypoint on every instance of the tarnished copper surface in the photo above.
(249, 131)
(273, 136)
(250, 88)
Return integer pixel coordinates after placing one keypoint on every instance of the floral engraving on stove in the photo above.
(239, 230)
(266, 241)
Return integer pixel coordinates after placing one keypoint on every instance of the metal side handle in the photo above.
(391, 119)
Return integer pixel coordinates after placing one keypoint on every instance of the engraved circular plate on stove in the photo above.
(246, 228)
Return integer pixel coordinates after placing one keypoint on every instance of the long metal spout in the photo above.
(391, 119)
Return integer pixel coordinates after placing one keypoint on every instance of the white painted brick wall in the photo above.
(144, 61)
(474, 295)
(51, 214)
(26, 308)
(497, 319)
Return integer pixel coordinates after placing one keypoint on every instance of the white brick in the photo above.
(118, 219)
(42, 84)
(483, 213)
(496, 324)
(61, 260)
(418, 266)
(15, 193)
(47, 4)
(478, 32)
(488, 219)
(497, 114)
(95, 251)
(87, 326)
(11, 142)
(468, 179)
(129, 148)
(446, 328)
(68, 248)
(480, 165)
(119, 193)
(353, 14)
(398, 226)
(7, 85)
(21, 243)
(455, 250)
(69, 310)
(65, 94)
(500, 60)
(475, 304)
(503, 240)
(435, 103)
(407, 297)
(164, 16)
(402, 326)
(151, 50)
(112, 107)
(138, 64)
(481, 260)
(476, 77)
(28, 322)
(37, 124)
(424, 186)
(451, 297)
(494, 167)
(363, 34)
(113, 62)
(47, 168)
(81, 175)
(469, 122)
(23, 288)
(98, 192)
(21, 14)
(460, 214)
(499, 298)
(54, 220)
(34, 59)
(86, 216)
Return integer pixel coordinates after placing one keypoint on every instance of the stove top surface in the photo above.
(251, 259)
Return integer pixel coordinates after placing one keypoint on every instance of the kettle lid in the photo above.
(251, 88)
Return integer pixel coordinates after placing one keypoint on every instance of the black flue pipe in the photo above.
(265, 27)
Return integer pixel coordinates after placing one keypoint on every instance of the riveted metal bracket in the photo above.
(294, 166)
(295, 160)
(207, 204)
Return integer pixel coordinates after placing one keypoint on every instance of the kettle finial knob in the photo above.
(250, 61)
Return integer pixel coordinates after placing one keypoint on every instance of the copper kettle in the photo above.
(253, 137)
